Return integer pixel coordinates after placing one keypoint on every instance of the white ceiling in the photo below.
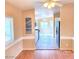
(29, 4)
(43, 12)
(40, 11)
(22, 4)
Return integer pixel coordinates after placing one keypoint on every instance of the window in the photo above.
(44, 25)
(9, 29)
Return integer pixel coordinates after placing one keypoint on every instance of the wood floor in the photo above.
(46, 54)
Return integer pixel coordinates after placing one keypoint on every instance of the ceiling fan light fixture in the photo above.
(53, 4)
(45, 4)
(49, 6)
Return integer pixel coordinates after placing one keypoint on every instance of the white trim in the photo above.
(66, 48)
(18, 53)
(12, 43)
(28, 37)
(29, 49)
(18, 40)
(31, 37)
(12, 29)
(64, 37)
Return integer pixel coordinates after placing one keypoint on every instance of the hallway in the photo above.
(46, 42)
(45, 34)
(45, 54)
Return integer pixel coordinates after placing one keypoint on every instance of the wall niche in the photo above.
(28, 25)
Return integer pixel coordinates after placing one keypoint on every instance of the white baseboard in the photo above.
(23, 38)
(66, 49)
(18, 40)
(29, 49)
(13, 43)
(64, 37)
(18, 53)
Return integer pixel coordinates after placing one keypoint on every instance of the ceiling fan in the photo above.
(52, 3)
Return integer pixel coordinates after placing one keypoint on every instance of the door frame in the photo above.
(57, 19)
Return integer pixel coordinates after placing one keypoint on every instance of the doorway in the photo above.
(44, 31)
